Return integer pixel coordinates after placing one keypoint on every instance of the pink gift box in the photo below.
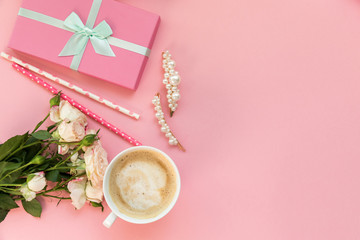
(127, 23)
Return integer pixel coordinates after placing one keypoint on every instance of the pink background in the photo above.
(269, 116)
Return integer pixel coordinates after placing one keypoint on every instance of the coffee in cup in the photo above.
(141, 185)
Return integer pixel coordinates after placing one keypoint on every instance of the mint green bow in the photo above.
(78, 41)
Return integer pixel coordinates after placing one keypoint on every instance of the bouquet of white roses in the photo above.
(66, 157)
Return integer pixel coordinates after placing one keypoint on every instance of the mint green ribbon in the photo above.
(100, 36)
(78, 41)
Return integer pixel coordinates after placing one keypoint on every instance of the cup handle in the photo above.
(109, 220)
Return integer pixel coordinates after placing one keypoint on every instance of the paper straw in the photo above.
(71, 86)
(77, 105)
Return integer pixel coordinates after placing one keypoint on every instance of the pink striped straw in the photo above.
(77, 105)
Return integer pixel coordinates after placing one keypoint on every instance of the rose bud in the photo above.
(89, 139)
(38, 159)
(55, 101)
(36, 182)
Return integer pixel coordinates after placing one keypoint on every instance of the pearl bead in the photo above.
(166, 75)
(169, 92)
(171, 64)
(170, 100)
(175, 105)
(159, 115)
(168, 135)
(154, 101)
(170, 105)
(171, 71)
(165, 81)
(174, 88)
(176, 96)
(158, 108)
(162, 121)
(172, 142)
(165, 55)
(168, 86)
(168, 96)
(173, 109)
(167, 69)
(164, 66)
(164, 61)
(163, 129)
(175, 80)
(176, 73)
(176, 142)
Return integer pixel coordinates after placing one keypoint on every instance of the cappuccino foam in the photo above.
(142, 184)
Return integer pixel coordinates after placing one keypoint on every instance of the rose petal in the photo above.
(55, 114)
(93, 194)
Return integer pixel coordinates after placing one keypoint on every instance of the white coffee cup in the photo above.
(115, 211)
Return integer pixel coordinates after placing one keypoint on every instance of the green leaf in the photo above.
(32, 207)
(3, 214)
(12, 177)
(51, 127)
(6, 202)
(95, 204)
(53, 176)
(40, 123)
(30, 140)
(11, 145)
(41, 135)
(7, 166)
(32, 151)
(18, 157)
(43, 167)
(65, 176)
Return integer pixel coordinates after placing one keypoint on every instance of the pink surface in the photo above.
(269, 117)
(46, 42)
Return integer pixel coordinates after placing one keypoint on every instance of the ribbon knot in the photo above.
(78, 41)
(87, 32)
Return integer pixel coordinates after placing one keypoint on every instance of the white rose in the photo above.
(63, 149)
(71, 131)
(74, 157)
(96, 163)
(37, 182)
(67, 111)
(27, 193)
(77, 192)
(55, 114)
(93, 194)
(76, 161)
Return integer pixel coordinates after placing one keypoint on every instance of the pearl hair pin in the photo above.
(164, 126)
(171, 81)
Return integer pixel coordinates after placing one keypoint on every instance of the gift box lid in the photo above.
(38, 32)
